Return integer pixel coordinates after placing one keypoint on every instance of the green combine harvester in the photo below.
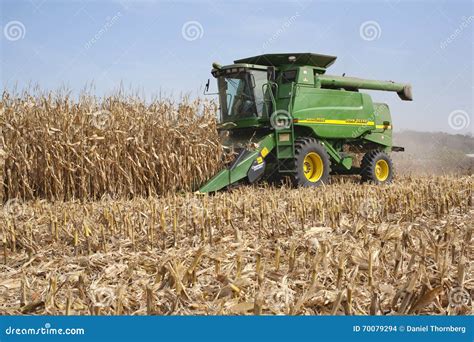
(285, 118)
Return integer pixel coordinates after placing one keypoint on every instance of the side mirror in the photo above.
(206, 89)
(271, 73)
(252, 81)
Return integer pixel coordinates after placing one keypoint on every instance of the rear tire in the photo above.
(377, 167)
(312, 164)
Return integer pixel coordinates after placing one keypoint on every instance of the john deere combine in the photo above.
(285, 117)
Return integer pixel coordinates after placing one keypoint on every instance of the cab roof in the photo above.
(278, 59)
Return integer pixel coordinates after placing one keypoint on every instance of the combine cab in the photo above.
(283, 116)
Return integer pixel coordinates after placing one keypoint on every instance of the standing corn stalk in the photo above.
(59, 149)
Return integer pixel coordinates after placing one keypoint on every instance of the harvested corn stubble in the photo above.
(139, 256)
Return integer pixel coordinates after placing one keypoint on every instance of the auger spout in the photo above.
(403, 90)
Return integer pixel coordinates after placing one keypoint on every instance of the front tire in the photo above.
(312, 164)
(377, 167)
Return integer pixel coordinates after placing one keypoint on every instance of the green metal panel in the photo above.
(284, 92)
(383, 133)
(306, 76)
(381, 115)
(284, 140)
(239, 171)
(333, 113)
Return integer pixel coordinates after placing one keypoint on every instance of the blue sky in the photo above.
(145, 45)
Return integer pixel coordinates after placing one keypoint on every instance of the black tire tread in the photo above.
(368, 164)
(302, 144)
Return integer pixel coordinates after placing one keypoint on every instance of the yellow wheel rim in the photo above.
(313, 167)
(382, 170)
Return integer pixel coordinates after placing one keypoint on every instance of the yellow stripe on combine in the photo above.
(336, 122)
(348, 122)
